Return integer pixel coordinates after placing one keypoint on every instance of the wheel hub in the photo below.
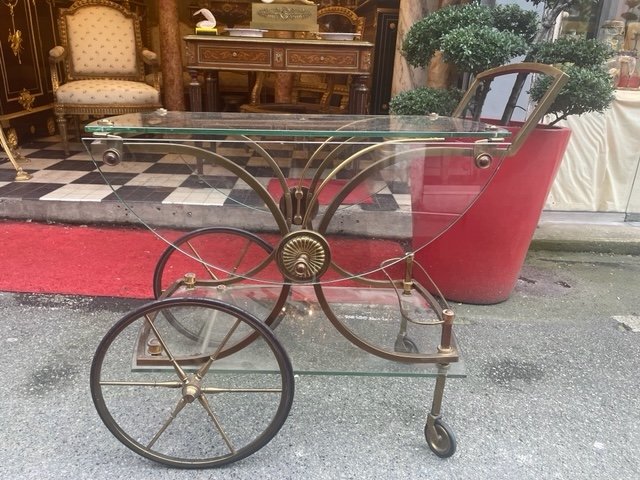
(191, 389)
(303, 255)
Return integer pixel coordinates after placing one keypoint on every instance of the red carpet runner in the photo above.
(116, 261)
(80, 260)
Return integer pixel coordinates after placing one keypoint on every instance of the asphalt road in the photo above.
(551, 392)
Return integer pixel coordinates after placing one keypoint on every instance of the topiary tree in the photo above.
(425, 100)
(589, 88)
(472, 38)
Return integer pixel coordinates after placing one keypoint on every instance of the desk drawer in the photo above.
(321, 59)
(222, 56)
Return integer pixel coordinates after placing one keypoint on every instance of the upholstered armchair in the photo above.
(100, 67)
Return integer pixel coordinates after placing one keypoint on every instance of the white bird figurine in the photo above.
(210, 21)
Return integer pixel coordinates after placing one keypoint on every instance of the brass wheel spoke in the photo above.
(205, 404)
(181, 373)
(181, 404)
(202, 371)
(119, 383)
(241, 390)
(206, 266)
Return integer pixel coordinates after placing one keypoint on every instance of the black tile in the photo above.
(38, 144)
(73, 165)
(398, 187)
(209, 181)
(142, 157)
(27, 190)
(53, 154)
(241, 196)
(110, 178)
(132, 193)
(7, 175)
(382, 202)
(241, 160)
(175, 168)
(261, 171)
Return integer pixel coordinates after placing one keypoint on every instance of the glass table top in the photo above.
(340, 126)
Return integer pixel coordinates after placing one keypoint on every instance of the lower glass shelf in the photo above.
(312, 342)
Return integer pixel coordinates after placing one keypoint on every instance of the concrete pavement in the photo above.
(586, 232)
(551, 392)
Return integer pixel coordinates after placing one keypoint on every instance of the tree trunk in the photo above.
(171, 56)
(438, 72)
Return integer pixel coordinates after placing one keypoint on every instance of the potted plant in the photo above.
(478, 259)
(472, 38)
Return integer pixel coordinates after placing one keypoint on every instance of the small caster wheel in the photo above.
(405, 345)
(440, 439)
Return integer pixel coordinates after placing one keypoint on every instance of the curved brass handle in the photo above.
(559, 80)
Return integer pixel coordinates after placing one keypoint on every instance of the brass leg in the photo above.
(438, 393)
(62, 128)
(438, 434)
(21, 175)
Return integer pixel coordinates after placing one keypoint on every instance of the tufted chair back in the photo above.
(103, 41)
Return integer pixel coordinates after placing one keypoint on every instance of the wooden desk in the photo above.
(215, 53)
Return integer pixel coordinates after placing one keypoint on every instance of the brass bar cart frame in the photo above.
(198, 338)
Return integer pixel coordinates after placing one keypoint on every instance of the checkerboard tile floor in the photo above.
(159, 179)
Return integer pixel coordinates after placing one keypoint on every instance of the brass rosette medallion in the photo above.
(303, 256)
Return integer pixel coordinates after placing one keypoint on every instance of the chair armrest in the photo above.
(57, 54)
(149, 57)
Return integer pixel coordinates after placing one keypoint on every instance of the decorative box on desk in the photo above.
(276, 16)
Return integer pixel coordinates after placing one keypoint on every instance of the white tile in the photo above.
(197, 196)
(84, 155)
(57, 176)
(90, 193)
(403, 199)
(175, 158)
(157, 180)
(126, 167)
(216, 170)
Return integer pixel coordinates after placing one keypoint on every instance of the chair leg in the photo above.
(61, 120)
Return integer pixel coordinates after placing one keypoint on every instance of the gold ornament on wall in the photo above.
(26, 99)
(15, 36)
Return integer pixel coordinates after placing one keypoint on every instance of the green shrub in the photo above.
(424, 37)
(477, 48)
(589, 89)
(424, 100)
(576, 50)
(512, 18)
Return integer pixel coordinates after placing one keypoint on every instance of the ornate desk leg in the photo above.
(195, 92)
(9, 149)
(359, 96)
(211, 87)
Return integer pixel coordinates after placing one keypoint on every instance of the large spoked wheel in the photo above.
(440, 438)
(233, 259)
(192, 403)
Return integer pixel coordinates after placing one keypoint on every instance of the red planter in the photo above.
(478, 259)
